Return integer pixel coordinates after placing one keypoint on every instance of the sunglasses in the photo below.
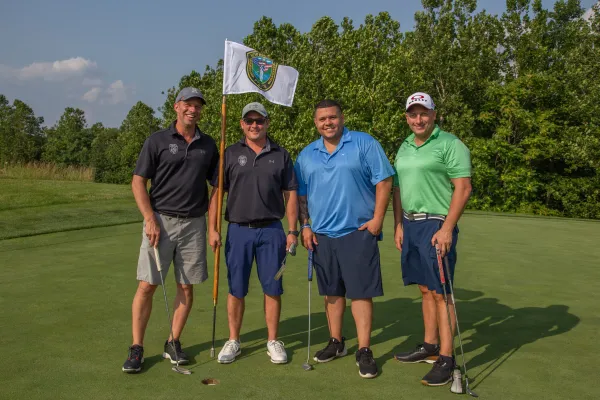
(250, 121)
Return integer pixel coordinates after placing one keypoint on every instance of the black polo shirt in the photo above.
(255, 182)
(178, 171)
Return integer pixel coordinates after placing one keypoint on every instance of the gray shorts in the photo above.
(183, 242)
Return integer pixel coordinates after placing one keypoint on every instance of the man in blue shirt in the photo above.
(344, 184)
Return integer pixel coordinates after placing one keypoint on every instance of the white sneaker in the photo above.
(229, 352)
(276, 351)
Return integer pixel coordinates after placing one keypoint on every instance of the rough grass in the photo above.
(48, 171)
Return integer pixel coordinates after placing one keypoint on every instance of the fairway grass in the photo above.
(529, 320)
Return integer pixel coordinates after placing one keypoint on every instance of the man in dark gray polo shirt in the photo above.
(178, 161)
(259, 176)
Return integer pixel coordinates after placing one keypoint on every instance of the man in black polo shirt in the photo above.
(178, 161)
(259, 174)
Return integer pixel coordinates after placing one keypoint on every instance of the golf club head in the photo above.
(307, 367)
(456, 382)
(469, 391)
(181, 370)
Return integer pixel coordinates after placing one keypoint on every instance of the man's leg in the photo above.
(140, 311)
(272, 305)
(181, 308)
(235, 314)
(362, 310)
(446, 334)
(334, 309)
(430, 315)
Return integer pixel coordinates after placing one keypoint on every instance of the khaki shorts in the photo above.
(183, 242)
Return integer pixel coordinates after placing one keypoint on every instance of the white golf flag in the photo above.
(246, 70)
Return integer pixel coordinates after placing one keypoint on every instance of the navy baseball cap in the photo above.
(189, 93)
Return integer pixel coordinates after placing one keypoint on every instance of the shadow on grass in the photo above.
(485, 324)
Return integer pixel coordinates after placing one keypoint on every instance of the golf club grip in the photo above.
(440, 265)
(310, 265)
(157, 258)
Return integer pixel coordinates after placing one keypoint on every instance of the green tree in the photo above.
(69, 142)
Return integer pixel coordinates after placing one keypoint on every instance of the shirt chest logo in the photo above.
(173, 148)
(242, 160)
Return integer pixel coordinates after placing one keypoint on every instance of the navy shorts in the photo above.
(243, 245)
(348, 266)
(419, 259)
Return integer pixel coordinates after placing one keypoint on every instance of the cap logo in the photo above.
(195, 91)
(242, 160)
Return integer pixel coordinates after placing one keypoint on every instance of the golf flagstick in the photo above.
(219, 220)
(176, 368)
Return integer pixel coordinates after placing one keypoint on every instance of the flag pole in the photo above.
(219, 220)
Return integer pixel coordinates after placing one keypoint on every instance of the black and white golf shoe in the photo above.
(440, 374)
(419, 354)
(134, 360)
(367, 368)
(169, 353)
(333, 350)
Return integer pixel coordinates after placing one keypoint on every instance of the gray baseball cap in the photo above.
(259, 108)
(189, 93)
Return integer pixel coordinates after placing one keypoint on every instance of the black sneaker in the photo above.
(366, 364)
(170, 353)
(134, 359)
(419, 354)
(440, 374)
(334, 349)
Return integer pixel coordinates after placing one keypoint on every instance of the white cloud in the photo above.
(92, 95)
(117, 92)
(50, 71)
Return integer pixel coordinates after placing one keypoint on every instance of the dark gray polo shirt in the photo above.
(178, 171)
(255, 182)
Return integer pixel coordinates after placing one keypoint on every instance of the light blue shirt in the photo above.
(341, 186)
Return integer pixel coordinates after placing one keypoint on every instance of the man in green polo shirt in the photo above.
(431, 188)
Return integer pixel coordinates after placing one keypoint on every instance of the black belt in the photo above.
(175, 215)
(423, 216)
(257, 224)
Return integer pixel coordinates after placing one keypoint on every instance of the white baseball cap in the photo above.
(420, 98)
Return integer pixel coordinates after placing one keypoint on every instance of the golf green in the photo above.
(527, 300)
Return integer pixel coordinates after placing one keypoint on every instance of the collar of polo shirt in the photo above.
(346, 137)
(434, 134)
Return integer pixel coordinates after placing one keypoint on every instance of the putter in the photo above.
(176, 368)
(292, 251)
(456, 386)
(306, 365)
(462, 352)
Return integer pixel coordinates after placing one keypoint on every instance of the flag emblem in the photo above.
(261, 70)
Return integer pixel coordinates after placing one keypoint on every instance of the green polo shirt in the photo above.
(423, 172)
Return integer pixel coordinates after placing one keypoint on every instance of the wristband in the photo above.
(305, 226)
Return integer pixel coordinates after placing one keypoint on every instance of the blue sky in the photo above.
(104, 56)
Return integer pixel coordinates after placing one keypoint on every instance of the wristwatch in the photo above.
(295, 233)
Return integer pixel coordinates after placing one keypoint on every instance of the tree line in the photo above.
(520, 89)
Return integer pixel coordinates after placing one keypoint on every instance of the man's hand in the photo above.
(373, 226)
(443, 238)
(309, 239)
(152, 230)
(399, 237)
(291, 239)
(214, 239)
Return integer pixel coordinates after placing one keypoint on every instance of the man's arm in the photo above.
(460, 197)
(382, 198)
(308, 237)
(142, 199)
(398, 218)
(214, 238)
(291, 213)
